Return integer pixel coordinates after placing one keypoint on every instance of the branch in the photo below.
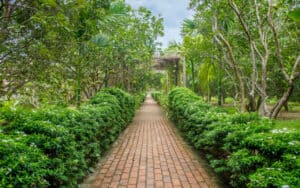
(242, 21)
(295, 74)
(257, 51)
(262, 35)
(226, 43)
(277, 46)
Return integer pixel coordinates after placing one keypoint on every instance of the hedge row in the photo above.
(55, 146)
(241, 147)
(139, 99)
(160, 98)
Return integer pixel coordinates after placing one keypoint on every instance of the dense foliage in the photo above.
(242, 147)
(139, 99)
(247, 50)
(63, 52)
(160, 98)
(56, 146)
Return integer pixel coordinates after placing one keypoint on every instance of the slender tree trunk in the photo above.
(263, 110)
(78, 86)
(251, 105)
(183, 72)
(244, 25)
(219, 88)
(281, 102)
(176, 73)
(193, 76)
(106, 78)
(263, 106)
(208, 94)
(290, 78)
(237, 73)
(219, 37)
(264, 58)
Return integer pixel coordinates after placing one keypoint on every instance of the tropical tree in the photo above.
(65, 51)
(247, 37)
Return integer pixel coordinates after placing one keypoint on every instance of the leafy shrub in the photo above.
(242, 163)
(241, 147)
(56, 142)
(80, 125)
(139, 98)
(160, 98)
(274, 145)
(21, 164)
(276, 176)
(67, 141)
(126, 102)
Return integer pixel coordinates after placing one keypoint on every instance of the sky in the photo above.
(173, 12)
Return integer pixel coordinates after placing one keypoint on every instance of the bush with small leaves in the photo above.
(22, 164)
(67, 141)
(139, 98)
(126, 102)
(241, 147)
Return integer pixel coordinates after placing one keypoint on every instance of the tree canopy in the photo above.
(251, 47)
(57, 51)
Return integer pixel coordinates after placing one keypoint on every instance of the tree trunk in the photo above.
(258, 102)
(251, 97)
(219, 37)
(78, 87)
(281, 102)
(193, 76)
(251, 107)
(289, 78)
(208, 94)
(176, 73)
(184, 73)
(263, 110)
(219, 89)
(106, 78)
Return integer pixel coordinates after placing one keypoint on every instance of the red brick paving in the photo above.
(150, 153)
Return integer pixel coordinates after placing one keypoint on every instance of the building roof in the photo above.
(161, 62)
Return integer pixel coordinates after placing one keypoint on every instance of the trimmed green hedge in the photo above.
(160, 98)
(139, 99)
(241, 147)
(126, 101)
(56, 146)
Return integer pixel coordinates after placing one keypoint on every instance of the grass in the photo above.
(289, 120)
(230, 109)
(293, 123)
(294, 106)
(289, 124)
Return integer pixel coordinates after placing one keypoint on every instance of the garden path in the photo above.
(150, 153)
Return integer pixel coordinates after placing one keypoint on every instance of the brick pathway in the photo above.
(150, 153)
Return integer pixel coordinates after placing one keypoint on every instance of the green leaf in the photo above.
(295, 14)
(52, 3)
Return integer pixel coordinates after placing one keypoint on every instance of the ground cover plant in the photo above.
(56, 146)
(243, 148)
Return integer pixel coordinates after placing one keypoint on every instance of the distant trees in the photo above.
(252, 44)
(59, 51)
